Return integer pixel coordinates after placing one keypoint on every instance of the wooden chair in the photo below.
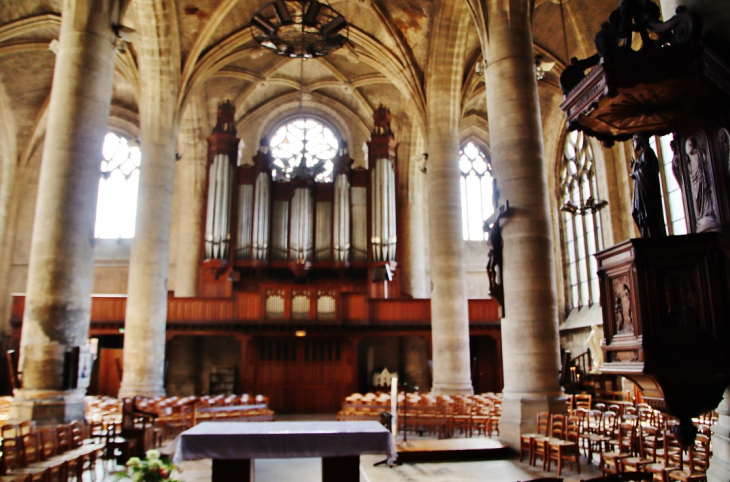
(611, 461)
(698, 461)
(555, 434)
(30, 457)
(527, 439)
(636, 462)
(86, 454)
(671, 456)
(601, 434)
(566, 449)
(583, 400)
(56, 465)
(13, 459)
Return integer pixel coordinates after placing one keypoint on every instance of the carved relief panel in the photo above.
(701, 165)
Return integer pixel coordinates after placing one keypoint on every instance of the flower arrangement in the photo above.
(151, 469)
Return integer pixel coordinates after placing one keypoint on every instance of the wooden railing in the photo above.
(250, 308)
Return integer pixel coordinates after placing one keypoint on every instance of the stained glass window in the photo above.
(308, 139)
(477, 191)
(582, 236)
(116, 207)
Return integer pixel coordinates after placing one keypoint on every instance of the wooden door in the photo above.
(303, 375)
(111, 361)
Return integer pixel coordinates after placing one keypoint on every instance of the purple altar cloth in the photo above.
(262, 440)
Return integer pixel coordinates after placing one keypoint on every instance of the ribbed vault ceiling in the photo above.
(388, 61)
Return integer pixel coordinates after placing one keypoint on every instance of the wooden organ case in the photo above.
(665, 300)
(308, 249)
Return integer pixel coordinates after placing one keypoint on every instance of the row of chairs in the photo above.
(556, 439)
(166, 417)
(423, 413)
(656, 450)
(48, 454)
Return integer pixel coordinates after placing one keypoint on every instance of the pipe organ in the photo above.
(263, 218)
(221, 165)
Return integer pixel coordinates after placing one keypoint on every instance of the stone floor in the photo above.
(309, 470)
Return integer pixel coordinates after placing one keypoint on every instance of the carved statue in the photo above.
(725, 146)
(677, 164)
(647, 207)
(494, 265)
(618, 313)
(699, 174)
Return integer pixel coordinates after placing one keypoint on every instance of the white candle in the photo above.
(394, 405)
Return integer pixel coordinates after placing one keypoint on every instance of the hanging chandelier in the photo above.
(299, 28)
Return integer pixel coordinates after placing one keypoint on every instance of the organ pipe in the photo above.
(341, 230)
(261, 218)
(359, 224)
(222, 146)
(217, 232)
(382, 160)
(300, 241)
(245, 221)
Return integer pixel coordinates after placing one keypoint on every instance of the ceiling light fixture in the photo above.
(299, 28)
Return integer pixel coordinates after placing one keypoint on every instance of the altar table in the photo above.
(234, 445)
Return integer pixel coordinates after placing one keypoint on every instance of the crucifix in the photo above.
(494, 265)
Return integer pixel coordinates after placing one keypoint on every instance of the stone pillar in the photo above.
(193, 175)
(58, 300)
(719, 470)
(530, 329)
(416, 255)
(449, 305)
(145, 321)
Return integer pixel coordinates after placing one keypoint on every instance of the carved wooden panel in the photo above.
(665, 303)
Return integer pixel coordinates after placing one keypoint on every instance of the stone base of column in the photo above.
(131, 389)
(519, 414)
(720, 462)
(440, 388)
(48, 407)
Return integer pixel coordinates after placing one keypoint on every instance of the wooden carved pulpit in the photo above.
(665, 300)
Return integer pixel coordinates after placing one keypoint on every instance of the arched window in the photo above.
(116, 207)
(582, 236)
(303, 137)
(477, 191)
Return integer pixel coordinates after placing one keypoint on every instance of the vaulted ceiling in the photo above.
(387, 62)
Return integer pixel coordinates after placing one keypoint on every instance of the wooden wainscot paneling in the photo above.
(355, 307)
(195, 309)
(486, 310)
(108, 308)
(248, 307)
(390, 311)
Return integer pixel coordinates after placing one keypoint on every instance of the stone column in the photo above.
(146, 317)
(193, 133)
(449, 305)
(193, 177)
(719, 470)
(145, 321)
(58, 299)
(530, 329)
